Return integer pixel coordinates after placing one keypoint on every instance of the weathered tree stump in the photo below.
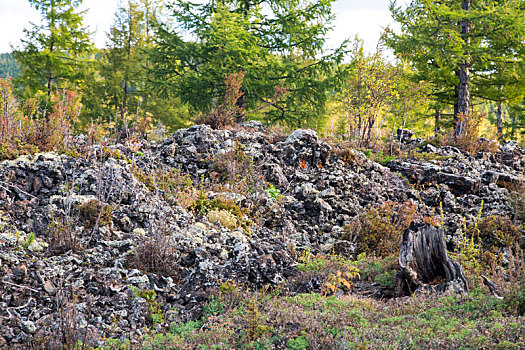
(425, 264)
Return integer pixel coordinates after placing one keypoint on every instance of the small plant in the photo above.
(223, 209)
(340, 281)
(155, 314)
(156, 253)
(94, 213)
(223, 217)
(62, 234)
(517, 200)
(273, 192)
(379, 270)
(30, 240)
(379, 230)
(173, 185)
(298, 343)
(236, 171)
(225, 114)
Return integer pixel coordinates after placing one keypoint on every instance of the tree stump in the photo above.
(425, 264)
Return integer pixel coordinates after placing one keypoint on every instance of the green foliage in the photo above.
(276, 44)
(299, 343)
(306, 320)
(515, 300)
(116, 88)
(155, 314)
(8, 66)
(478, 40)
(378, 157)
(379, 270)
(54, 55)
(203, 206)
(273, 192)
(30, 240)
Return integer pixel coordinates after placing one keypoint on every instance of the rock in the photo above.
(50, 288)
(404, 135)
(302, 136)
(29, 326)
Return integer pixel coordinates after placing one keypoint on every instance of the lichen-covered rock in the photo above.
(302, 196)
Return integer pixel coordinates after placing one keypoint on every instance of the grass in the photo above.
(309, 321)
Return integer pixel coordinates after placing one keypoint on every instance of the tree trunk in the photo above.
(425, 264)
(499, 118)
(464, 77)
(436, 122)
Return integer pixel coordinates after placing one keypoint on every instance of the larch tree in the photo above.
(54, 54)
(470, 45)
(278, 45)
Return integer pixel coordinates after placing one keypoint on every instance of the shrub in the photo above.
(156, 253)
(94, 213)
(224, 115)
(379, 230)
(172, 184)
(236, 170)
(62, 234)
(517, 200)
(27, 128)
(379, 270)
(222, 209)
(498, 231)
(468, 140)
(223, 217)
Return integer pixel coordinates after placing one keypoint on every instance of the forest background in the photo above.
(448, 68)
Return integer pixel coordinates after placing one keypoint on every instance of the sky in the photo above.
(366, 18)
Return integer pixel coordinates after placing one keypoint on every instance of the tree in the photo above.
(277, 44)
(54, 54)
(116, 89)
(471, 45)
(367, 92)
(8, 66)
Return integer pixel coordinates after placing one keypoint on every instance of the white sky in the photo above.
(365, 18)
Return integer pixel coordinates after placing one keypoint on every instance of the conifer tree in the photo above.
(471, 46)
(53, 55)
(277, 44)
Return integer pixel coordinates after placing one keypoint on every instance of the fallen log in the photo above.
(425, 264)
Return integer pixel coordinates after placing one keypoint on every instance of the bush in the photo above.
(222, 210)
(498, 231)
(224, 115)
(517, 200)
(223, 217)
(176, 187)
(379, 230)
(156, 253)
(468, 140)
(62, 234)
(379, 270)
(236, 171)
(95, 213)
(27, 128)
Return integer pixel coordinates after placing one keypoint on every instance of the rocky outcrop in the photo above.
(318, 195)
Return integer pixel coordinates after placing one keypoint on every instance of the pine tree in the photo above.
(53, 55)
